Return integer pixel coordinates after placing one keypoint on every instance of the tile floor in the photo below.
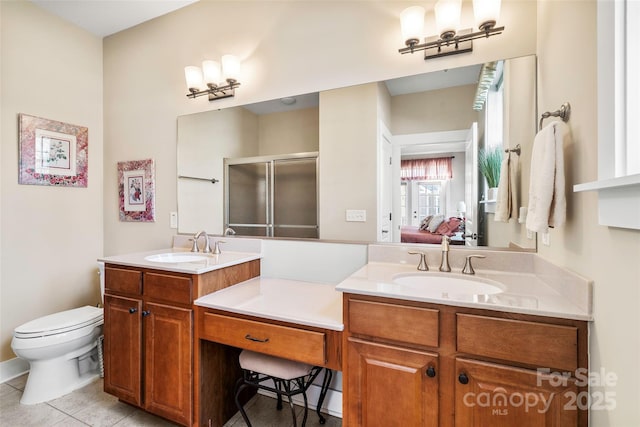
(90, 406)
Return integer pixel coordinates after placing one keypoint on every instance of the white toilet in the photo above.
(62, 351)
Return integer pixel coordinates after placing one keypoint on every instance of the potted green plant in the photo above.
(489, 161)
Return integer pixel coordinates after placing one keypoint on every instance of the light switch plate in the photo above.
(173, 219)
(545, 239)
(356, 215)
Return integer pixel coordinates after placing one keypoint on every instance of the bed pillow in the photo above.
(435, 223)
(442, 229)
(425, 223)
(453, 224)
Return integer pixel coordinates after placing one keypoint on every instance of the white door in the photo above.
(385, 185)
(471, 186)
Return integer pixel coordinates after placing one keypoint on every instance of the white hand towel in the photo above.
(503, 202)
(507, 200)
(547, 202)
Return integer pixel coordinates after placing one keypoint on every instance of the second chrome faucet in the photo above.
(444, 262)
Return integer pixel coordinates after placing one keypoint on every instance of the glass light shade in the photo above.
(211, 72)
(448, 17)
(462, 207)
(412, 24)
(486, 13)
(193, 75)
(230, 67)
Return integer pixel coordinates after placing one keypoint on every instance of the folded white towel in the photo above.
(507, 200)
(547, 202)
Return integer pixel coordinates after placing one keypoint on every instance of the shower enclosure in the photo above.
(273, 196)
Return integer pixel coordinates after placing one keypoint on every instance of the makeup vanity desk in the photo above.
(292, 319)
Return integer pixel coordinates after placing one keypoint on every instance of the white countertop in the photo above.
(210, 263)
(523, 293)
(305, 303)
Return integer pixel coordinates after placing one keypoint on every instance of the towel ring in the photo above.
(564, 112)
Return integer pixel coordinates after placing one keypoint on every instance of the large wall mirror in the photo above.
(389, 155)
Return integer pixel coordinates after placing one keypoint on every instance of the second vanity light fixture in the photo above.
(451, 39)
(208, 80)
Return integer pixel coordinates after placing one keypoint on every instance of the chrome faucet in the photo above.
(423, 262)
(194, 247)
(468, 268)
(229, 231)
(444, 264)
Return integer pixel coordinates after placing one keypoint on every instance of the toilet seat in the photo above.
(60, 323)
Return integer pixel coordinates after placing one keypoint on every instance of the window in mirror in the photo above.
(431, 198)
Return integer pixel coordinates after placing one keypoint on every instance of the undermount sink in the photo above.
(448, 283)
(176, 257)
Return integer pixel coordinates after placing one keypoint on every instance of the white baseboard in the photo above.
(12, 368)
(332, 404)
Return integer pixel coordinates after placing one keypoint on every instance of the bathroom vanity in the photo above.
(457, 366)
(424, 349)
(506, 346)
(148, 331)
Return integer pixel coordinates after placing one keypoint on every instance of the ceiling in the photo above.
(106, 17)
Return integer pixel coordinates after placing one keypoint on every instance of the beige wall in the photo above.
(50, 237)
(433, 111)
(348, 168)
(289, 132)
(609, 256)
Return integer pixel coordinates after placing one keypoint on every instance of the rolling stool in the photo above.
(289, 378)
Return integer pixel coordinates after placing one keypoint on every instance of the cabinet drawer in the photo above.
(282, 341)
(537, 344)
(413, 325)
(123, 281)
(167, 288)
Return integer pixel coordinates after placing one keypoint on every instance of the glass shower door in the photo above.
(295, 198)
(248, 195)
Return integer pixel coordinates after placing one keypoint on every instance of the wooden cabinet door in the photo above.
(168, 362)
(488, 394)
(390, 386)
(122, 357)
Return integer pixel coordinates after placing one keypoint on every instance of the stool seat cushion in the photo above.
(273, 366)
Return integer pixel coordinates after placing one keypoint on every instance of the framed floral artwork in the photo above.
(52, 152)
(136, 180)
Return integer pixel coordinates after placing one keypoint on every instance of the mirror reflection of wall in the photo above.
(206, 139)
(353, 129)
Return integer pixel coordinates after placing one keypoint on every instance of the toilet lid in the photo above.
(61, 322)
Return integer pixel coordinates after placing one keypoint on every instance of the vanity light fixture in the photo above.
(451, 39)
(207, 80)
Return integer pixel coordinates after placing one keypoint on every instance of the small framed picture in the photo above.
(136, 190)
(52, 152)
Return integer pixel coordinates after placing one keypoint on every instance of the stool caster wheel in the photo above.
(322, 420)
